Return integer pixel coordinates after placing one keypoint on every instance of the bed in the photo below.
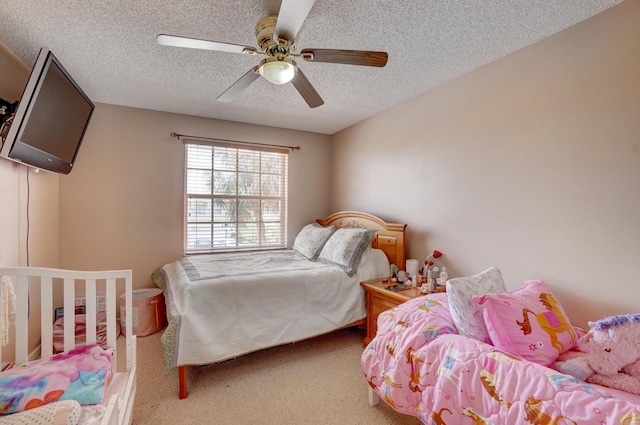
(421, 365)
(82, 384)
(222, 306)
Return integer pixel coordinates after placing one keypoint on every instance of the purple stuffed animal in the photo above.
(614, 354)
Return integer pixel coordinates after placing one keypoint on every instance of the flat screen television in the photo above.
(50, 120)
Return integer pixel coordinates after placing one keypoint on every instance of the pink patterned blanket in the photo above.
(80, 374)
(420, 366)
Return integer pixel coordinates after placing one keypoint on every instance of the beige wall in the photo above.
(28, 201)
(122, 206)
(531, 164)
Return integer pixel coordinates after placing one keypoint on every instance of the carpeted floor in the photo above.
(317, 381)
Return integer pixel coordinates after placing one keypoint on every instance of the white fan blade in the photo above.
(291, 17)
(194, 43)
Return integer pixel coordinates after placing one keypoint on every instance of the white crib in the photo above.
(92, 285)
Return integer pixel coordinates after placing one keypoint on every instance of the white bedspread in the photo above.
(225, 305)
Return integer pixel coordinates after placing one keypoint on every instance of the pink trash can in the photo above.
(147, 311)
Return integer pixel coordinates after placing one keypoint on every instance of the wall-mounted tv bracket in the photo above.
(7, 111)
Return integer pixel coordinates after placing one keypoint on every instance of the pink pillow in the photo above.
(528, 322)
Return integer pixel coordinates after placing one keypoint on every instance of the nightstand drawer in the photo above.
(379, 305)
(380, 300)
(382, 304)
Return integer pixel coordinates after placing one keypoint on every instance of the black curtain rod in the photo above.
(178, 136)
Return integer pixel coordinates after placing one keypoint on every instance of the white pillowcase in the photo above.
(466, 314)
(345, 247)
(311, 239)
(373, 265)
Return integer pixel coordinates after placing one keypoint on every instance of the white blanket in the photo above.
(225, 305)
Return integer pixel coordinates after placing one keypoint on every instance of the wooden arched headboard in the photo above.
(389, 237)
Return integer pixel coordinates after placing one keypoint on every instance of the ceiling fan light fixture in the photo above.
(277, 71)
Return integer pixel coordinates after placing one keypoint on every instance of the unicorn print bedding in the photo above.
(420, 365)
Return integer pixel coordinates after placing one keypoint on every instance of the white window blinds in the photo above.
(235, 197)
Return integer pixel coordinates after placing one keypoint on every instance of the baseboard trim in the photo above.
(35, 354)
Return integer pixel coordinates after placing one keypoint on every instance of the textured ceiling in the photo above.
(109, 47)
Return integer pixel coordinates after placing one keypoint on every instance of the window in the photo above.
(235, 197)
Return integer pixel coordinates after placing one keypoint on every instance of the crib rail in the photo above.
(46, 281)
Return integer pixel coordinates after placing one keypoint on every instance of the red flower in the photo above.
(428, 262)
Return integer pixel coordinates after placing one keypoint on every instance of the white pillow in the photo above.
(311, 239)
(466, 314)
(345, 247)
(373, 265)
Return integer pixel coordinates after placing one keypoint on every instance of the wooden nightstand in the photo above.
(380, 299)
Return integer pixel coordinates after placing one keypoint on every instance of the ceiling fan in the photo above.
(277, 36)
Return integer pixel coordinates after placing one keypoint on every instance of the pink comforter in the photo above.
(420, 366)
